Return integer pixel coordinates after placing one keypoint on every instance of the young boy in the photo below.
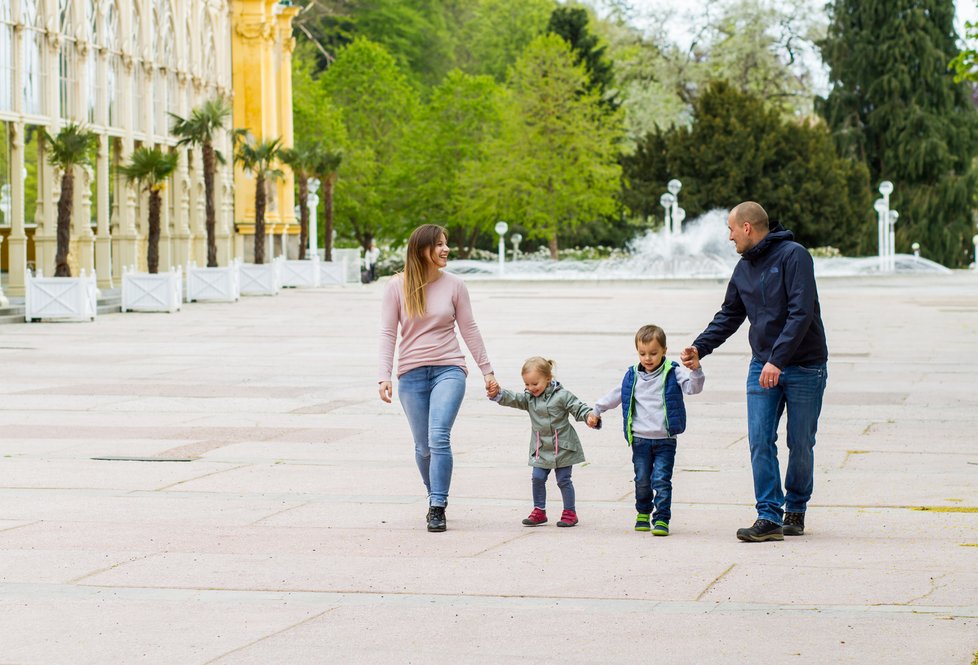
(651, 396)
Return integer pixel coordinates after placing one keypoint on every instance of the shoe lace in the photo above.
(794, 519)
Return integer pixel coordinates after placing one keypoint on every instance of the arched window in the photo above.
(164, 47)
(6, 57)
(91, 61)
(67, 57)
(113, 41)
(135, 47)
(33, 44)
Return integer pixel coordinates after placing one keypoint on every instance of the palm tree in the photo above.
(70, 148)
(301, 160)
(326, 168)
(200, 129)
(151, 168)
(257, 158)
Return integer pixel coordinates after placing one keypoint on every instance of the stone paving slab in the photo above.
(295, 533)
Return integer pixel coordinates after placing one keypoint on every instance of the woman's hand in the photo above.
(386, 390)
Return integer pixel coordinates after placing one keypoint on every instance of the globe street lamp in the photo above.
(674, 186)
(916, 249)
(893, 216)
(501, 228)
(885, 188)
(313, 202)
(666, 201)
(516, 239)
(881, 211)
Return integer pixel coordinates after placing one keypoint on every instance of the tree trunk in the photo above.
(328, 183)
(207, 150)
(303, 214)
(553, 246)
(260, 219)
(153, 243)
(65, 202)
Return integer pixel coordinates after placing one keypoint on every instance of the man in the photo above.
(773, 286)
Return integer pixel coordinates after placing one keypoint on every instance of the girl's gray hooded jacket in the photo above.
(553, 441)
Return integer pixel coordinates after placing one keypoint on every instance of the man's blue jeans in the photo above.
(653, 460)
(431, 397)
(799, 390)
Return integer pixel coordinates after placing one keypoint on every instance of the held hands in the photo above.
(690, 357)
(593, 421)
(492, 388)
(769, 376)
(386, 390)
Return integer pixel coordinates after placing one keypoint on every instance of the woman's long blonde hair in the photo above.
(423, 239)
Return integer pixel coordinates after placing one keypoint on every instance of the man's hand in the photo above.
(769, 376)
(386, 390)
(690, 357)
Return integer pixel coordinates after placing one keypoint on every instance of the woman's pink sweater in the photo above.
(429, 339)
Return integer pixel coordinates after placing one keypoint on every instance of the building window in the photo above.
(68, 58)
(6, 57)
(113, 75)
(33, 45)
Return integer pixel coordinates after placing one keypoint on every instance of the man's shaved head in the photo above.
(751, 213)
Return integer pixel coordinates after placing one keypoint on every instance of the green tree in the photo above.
(495, 32)
(202, 128)
(71, 147)
(151, 168)
(554, 165)
(739, 147)
(258, 158)
(377, 105)
(452, 130)
(895, 106)
(326, 167)
(571, 23)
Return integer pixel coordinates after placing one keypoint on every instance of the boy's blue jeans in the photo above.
(653, 460)
(431, 397)
(799, 390)
(564, 482)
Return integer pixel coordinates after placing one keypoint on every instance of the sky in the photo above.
(966, 10)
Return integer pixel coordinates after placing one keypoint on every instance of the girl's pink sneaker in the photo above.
(568, 518)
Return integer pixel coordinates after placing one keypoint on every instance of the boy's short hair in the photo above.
(649, 333)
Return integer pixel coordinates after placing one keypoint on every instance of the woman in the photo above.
(426, 303)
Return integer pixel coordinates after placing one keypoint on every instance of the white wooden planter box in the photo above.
(261, 279)
(332, 272)
(353, 262)
(61, 298)
(213, 284)
(146, 292)
(303, 273)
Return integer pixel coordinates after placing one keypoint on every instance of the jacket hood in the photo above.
(777, 234)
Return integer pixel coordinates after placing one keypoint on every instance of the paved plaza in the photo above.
(223, 485)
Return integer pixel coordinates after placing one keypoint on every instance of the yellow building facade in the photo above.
(120, 67)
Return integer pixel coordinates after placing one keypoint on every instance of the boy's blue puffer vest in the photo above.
(672, 398)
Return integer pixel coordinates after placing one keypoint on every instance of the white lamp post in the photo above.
(666, 201)
(893, 216)
(516, 239)
(674, 186)
(883, 211)
(916, 249)
(974, 241)
(501, 228)
(313, 203)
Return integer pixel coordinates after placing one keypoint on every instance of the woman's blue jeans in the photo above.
(431, 397)
(653, 460)
(799, 390)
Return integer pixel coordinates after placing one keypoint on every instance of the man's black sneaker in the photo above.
(794, 524)
(761, 531)
(436, 519)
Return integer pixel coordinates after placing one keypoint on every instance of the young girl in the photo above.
(553, 441)
(427, 304)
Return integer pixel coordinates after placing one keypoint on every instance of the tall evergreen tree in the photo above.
(571, 23)
(894, 104)
(740, 147)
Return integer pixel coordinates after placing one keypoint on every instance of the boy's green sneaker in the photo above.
(661, 528)
(642, 522)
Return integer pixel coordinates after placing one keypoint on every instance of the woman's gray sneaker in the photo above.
(436, 519)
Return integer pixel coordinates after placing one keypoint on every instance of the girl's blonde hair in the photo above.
(540, 364)
(420, 244)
